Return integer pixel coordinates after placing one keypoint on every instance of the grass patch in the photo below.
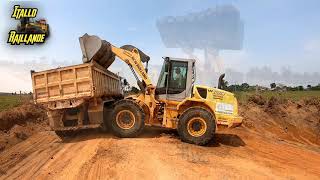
(10, 101)
(290, 95)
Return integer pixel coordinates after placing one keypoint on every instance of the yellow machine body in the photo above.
(222, 104)
(163, 109)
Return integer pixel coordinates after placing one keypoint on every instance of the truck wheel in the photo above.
(196, 126)
(127, 119)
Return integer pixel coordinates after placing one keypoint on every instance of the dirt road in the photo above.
(236, 153)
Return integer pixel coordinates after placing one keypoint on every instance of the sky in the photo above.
(281, 38)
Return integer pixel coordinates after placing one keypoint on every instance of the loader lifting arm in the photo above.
(95, 49)
(134, 60)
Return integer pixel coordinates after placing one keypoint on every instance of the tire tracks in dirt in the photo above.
(235, 153)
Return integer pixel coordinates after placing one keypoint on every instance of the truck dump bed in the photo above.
(83, 81)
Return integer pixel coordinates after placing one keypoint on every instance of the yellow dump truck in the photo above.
(75, 95)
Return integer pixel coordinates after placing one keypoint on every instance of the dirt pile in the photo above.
(278, 140)
(19, 123)
(27, 112)
(283, 119)
(312, 102)
(257, 99)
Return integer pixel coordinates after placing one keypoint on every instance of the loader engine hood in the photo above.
(210, 93)
(223, 103)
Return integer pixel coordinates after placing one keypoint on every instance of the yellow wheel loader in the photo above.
(175, 102)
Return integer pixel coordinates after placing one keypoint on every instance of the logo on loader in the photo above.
(29, 31)
(217, 94)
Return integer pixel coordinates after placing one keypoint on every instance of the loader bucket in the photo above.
(95, 49)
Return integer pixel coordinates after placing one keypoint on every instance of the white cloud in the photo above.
(10, 82)
(132, 28)
(236, 59)
(15, 75)
(312, 47)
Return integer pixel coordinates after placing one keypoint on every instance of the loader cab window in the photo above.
(178, 77)
(172, 78)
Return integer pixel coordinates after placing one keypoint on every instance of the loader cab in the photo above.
(176, 79)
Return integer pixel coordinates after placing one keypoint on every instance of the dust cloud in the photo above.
(210, 30)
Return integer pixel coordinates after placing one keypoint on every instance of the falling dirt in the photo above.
(278, 140)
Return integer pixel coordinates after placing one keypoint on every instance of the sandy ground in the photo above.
(234, 153)
(278, 140)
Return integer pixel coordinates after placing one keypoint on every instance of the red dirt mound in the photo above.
(284, 119)
(313, 102)
(27, 112)
(257, 99)
(19, 123)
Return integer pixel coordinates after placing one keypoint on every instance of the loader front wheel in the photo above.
(196, 126)
(127, 119)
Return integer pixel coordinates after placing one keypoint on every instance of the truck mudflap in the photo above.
(81, 117)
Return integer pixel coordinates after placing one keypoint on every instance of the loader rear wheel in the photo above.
(127, 119)
(196, 126)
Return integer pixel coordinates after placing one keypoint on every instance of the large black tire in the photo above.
(196, 126)
(127, 119)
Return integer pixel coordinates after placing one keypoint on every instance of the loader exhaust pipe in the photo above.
(221, 81)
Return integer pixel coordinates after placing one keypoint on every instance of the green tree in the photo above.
(309, 86)
(273, 85)
(244, 86)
